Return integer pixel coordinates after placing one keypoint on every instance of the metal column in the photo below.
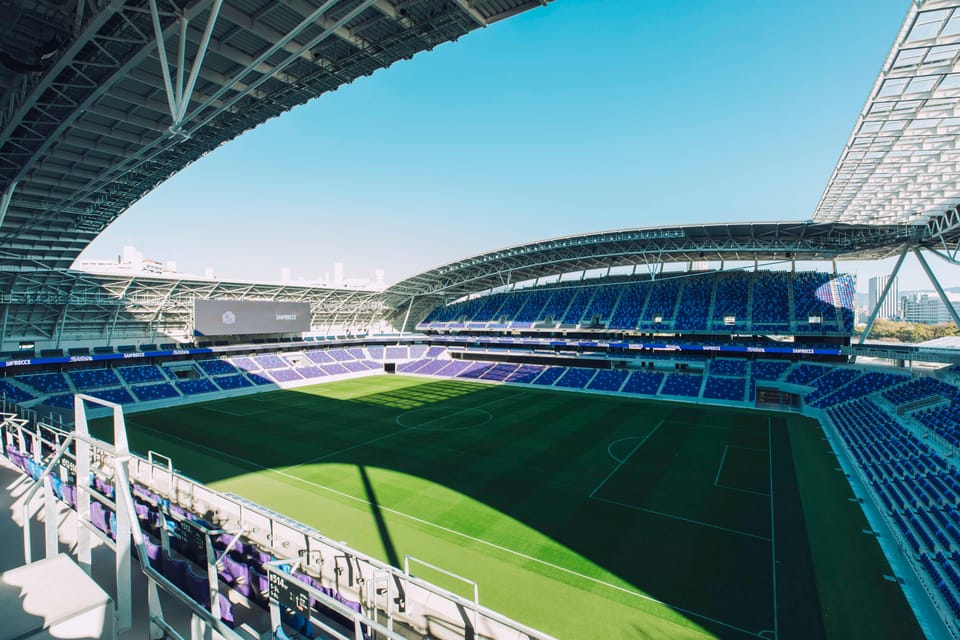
(936, 285)
(883, 296)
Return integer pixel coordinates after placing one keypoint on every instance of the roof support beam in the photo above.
(178, 97)
(304, 8)
(406, 317)
(304, 24)
(78, 158)
(883, 295)
(936, 285)
(467, 6)
(12, 120)
(151, 150)
(5, 201)
(85, 105)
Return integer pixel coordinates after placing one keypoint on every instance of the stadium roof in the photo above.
(94, 115)
(45, 304)
(902, 161)
(767, 241)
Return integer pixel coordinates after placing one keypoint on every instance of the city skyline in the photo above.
(911, 272)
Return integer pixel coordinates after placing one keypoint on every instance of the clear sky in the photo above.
(585, 115)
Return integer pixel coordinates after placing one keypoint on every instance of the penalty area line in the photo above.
(234, 413)
(746, 491)
(622, 462)
(700, 523)
(723, 458)
(492, 545)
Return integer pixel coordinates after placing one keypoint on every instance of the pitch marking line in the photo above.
(711, 426)
(238, 414)
(422, 426)
(389, 435)
(773, 536)
(234, 413)
(643, 440)
(254, 398)
(745, 534)
(716, 481)
(747, 491)
(629, 455)
(610, 447)
(492, 545)
(345, 449)
(723, 458)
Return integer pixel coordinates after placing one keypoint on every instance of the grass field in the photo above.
(585, 516)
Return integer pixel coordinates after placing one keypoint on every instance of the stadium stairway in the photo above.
(792, 307)
(616, 304)
(566, 309)
(916, 426)
(835, 290)
(713, 304)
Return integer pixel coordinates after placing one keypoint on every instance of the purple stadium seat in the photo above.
(155, 555)
(226, 610)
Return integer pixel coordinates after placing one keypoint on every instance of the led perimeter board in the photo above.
(236, 317)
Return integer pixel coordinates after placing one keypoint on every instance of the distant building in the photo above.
(889, 309)
(926, 307)
(129, 262)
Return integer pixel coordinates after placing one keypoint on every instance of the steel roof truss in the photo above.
(178, 95)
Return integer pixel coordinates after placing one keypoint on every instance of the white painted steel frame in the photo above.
(901, 163)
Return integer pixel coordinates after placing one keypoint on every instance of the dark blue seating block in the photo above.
(217, 367)
(234, 381)
(155, 391)
(194, 387)
(45, 382)
(682, 384)
(86, 379)
(550, 375)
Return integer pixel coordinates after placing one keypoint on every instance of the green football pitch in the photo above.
(585, 516)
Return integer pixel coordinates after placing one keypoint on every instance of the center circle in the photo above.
(440, 419)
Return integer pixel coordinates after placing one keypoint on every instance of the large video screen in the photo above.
(234, 317)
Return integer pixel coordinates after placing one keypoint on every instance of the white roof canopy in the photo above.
(902, 162)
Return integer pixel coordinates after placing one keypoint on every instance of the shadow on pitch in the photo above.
(535, 464)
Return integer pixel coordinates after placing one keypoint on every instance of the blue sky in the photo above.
(584, 115)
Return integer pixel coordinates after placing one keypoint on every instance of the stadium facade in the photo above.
(116, 98)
